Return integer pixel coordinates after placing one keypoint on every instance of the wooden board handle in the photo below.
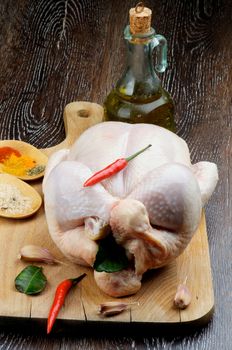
(78, 116)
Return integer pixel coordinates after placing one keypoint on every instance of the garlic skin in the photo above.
(36, 254)
(183, 297)
(112, 308)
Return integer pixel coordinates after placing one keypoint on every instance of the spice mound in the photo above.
(15, 163)
(12, 201)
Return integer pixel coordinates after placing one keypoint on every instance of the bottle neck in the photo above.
(139, 58)
(139, 79)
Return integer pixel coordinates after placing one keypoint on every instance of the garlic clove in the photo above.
(96, 228)
(183, 297)
(37, 254)
(112, 308)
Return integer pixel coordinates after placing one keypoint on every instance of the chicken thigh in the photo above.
(153, 207)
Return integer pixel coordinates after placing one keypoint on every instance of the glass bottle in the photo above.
(138, 96)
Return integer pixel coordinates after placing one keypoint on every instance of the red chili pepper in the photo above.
(61, 292)
(111, 169)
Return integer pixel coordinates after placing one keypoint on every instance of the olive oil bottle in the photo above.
(138, 96)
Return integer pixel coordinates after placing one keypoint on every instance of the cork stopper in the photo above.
(140, 19)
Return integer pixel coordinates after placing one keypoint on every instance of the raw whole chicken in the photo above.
(153, 206)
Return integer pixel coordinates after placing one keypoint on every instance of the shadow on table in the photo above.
(106, 329)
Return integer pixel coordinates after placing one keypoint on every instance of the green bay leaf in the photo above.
(110, 256)
(30, 280)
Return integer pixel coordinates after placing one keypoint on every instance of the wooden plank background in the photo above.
(53, 52)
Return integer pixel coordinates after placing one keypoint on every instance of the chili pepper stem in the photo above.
(137, 153)
(77, 279)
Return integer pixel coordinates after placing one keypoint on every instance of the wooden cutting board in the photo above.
(158, 288)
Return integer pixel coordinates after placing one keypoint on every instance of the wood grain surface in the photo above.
(53, 52)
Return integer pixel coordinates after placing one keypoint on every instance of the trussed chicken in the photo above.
(153, 206)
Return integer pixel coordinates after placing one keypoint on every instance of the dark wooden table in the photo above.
(53, 52)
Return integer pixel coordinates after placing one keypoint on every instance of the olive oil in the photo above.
(138, 96)
(156, 109)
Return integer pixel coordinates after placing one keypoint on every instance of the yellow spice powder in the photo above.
(18, 165)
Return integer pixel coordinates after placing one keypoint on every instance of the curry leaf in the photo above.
(30, 280)
(110, 256)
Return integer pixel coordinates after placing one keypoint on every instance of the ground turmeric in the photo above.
(17, 166)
